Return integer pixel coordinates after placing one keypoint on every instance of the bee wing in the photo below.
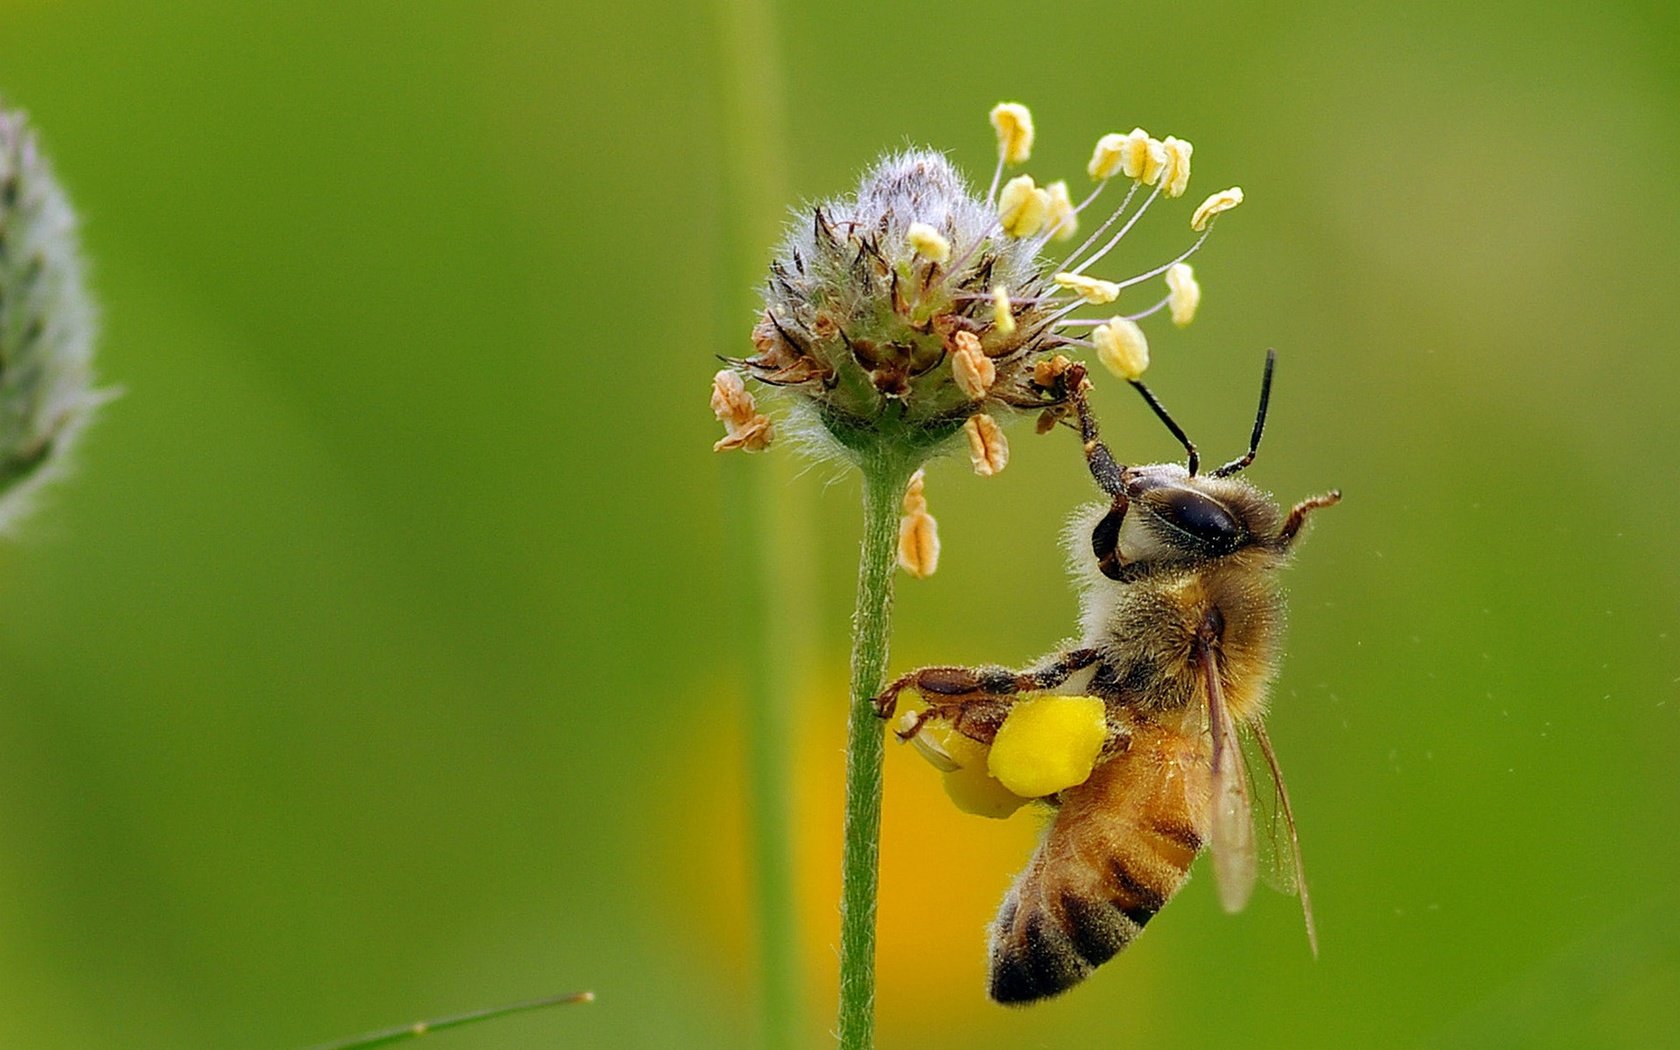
(1232, 825)
(1271, 836)
(1285, 872)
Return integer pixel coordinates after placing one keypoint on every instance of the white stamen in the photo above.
(1100, 230)
(1157, 308)
(1082, 267)
(1164, 267)
(997, 175)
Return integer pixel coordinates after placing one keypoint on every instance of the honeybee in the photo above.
(1181, 616)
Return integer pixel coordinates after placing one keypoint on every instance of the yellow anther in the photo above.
(987, 449)
(1003, 313)
(1014, 126)
(1048, 744)
(972, 369)
(1089, 289)
(1109, 158)
(928, 242)
(733, 405)
(1175, 176)
(915, 494)
(918, 533)
(1062, 221)
(1122, 348)
(1143, 158)
(1022, 207)
(1224, 200)
(1047, 370)
(1183, 293)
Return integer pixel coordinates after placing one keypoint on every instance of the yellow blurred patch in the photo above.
(943, 874)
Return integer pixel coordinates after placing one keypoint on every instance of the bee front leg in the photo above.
(1109, 475)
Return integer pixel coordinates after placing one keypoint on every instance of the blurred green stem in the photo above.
(884, 479)
(764, 508)
(420, 1028)
(769, 766)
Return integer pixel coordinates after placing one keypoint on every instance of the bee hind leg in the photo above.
(953, 687)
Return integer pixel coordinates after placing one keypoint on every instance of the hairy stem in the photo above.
(884, 478)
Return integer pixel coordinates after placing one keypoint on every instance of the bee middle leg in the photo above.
(954, 687)
(1298, 516)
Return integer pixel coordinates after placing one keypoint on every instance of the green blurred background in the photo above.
(382, 658)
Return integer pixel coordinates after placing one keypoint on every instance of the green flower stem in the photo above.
(884, 479)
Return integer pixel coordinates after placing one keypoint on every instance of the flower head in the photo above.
(46, 322)
(916, 309)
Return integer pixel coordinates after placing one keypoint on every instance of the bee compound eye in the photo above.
(1201, 518)
(1106, 536)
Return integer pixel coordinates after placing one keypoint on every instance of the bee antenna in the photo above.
(1259, 422)
(1164, 416)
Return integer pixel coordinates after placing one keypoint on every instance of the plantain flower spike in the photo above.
(1183, 293)
(910, 317)
(46, 323)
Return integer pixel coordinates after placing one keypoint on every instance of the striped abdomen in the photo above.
(1119, 847)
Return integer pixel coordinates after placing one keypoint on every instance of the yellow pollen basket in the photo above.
(1048, 744)
(962, 761)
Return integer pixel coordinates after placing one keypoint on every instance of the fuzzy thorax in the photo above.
(1148, 624)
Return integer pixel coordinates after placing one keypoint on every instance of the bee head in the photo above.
(1166, 513)
(1172, 515)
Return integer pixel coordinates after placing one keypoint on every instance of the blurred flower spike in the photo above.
(46, 323)
(917, 310)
